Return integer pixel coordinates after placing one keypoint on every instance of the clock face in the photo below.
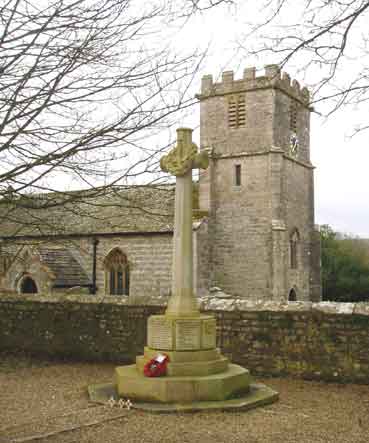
(294, 145)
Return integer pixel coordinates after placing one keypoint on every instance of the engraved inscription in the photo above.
(188, 333)
(209, 334)
(160, 333)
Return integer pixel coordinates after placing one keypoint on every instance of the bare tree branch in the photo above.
(82, 83)
(326, 41)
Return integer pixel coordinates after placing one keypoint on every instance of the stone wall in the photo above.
(149, 258)
(299, 214)
(240, 227)
(201, 257)
(150, 262)
(324, 340)
(255, 136)
(76, 326)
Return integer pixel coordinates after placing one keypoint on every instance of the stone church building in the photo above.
(253, 218)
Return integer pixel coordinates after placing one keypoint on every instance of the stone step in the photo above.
(198, 368)
(185, 389)
(184, 356)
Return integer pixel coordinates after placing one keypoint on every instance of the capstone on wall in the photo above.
(327, 341)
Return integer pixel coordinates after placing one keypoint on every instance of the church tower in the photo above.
(259, 189)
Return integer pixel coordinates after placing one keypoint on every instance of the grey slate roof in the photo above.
(118, 210)
(66, 268)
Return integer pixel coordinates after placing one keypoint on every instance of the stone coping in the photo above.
(334, 308)
(85, 299)
(215, 302)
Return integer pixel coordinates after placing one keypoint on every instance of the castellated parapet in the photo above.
(259, 189)
(273, 78)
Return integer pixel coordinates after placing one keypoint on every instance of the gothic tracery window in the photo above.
(294, 243)
(116, 273)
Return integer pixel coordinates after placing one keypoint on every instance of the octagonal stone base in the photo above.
(132, 384)
(198, 376)
(258, 395)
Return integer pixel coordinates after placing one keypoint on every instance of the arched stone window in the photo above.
(28, 286)
(116, 273)
(294, 247)
(292, 296)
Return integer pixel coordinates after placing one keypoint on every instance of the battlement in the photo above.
(272, 78)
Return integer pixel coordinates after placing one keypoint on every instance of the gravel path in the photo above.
(49, 397)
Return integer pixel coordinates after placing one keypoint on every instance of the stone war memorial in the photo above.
(197, 376)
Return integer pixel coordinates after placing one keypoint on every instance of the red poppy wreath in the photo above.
(156, 367)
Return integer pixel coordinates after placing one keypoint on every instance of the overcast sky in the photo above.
(342, 162)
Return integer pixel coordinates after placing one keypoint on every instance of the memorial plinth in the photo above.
(198, 376)
(196, 371)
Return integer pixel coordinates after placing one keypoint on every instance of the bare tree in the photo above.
(85, 88)
(83, 83)
(326, 41)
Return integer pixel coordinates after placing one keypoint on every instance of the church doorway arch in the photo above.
(292, 296)
(28, 286)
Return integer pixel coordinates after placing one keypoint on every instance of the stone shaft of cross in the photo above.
(180, 162)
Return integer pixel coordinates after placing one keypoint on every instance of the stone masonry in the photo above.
(258, 193)
(150, 261)
(311, 340)
(253, 219)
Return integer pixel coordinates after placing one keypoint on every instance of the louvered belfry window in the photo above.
(293, 116)
(236, 111)
(117, 273)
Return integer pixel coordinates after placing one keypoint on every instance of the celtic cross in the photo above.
(179, 162)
